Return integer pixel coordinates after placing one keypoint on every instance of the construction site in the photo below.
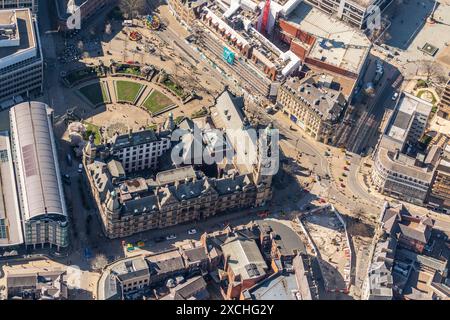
(329, 242)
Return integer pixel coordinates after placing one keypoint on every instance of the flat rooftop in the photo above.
(337, 43)
(9, 208)
(25, 29)
(288, 238)
(363, 3)
(178, 174)
(407, 106)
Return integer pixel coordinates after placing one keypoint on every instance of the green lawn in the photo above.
(156, 101)
(199, 113)
(130, 70)
(95, 93)
(127, 91)
(420, 93)
(92, 129)
(174, 88)
(179, 119)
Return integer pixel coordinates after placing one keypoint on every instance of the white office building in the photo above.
(21, 62)
(19, 4)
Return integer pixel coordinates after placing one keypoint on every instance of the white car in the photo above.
(192, 231)
(395, 96)
(171, 237)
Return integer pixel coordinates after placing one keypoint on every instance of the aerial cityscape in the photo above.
(224, 150)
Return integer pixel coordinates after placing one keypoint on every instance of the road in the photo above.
(170, 36)
(368, 123)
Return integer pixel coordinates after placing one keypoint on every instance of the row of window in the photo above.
(398, 176)
(3, 229)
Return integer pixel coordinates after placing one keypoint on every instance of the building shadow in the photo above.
(407, 19)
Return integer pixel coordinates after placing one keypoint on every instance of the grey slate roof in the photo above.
(144, 204)
(422, 234)
(289, 241)
(195, 254)
(191, 288)
(165, 262)
(328, 104)
(245, 259)
(227, 185)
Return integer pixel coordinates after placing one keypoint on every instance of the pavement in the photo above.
(410, 30)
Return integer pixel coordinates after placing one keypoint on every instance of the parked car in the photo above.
(395, 96)
(80, 168)
(171, 237)
(192, 231)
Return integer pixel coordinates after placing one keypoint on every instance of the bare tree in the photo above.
(132, 8)
(99, 262)
(433, 72)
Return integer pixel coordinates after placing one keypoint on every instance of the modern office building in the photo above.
(354, 12)
(313, 105)
(326, 46)
(21, 61)
(10, 224)
(401, 170)
(19, 4)
(38, 177)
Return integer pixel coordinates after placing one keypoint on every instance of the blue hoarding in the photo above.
(228, 55)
